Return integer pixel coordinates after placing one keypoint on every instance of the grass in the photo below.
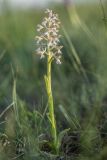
(79, 86)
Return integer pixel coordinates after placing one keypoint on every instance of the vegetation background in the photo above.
(79, 83)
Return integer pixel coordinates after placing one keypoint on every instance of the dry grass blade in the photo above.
(5, 110)
(72, 122)
(77, 60)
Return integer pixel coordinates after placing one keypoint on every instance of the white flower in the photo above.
(46, 34)
(38, 39)
(58, 61)
(44, 23)
(40, 27)
(50, 44)
(48, 38)
(59, 51)
(41, 52)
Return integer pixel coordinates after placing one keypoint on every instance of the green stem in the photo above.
(50, 101)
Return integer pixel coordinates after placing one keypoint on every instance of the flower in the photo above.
(48, 39)
(40, 27)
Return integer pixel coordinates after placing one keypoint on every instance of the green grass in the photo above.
(79, 84)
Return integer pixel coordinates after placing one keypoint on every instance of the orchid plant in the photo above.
(48, 40)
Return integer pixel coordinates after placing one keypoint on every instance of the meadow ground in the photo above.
(78, 84)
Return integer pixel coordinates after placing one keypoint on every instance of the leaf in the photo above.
(49, 118)
(60, 136)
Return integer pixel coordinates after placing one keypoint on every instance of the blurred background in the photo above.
(84, 53)
(80, 82)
